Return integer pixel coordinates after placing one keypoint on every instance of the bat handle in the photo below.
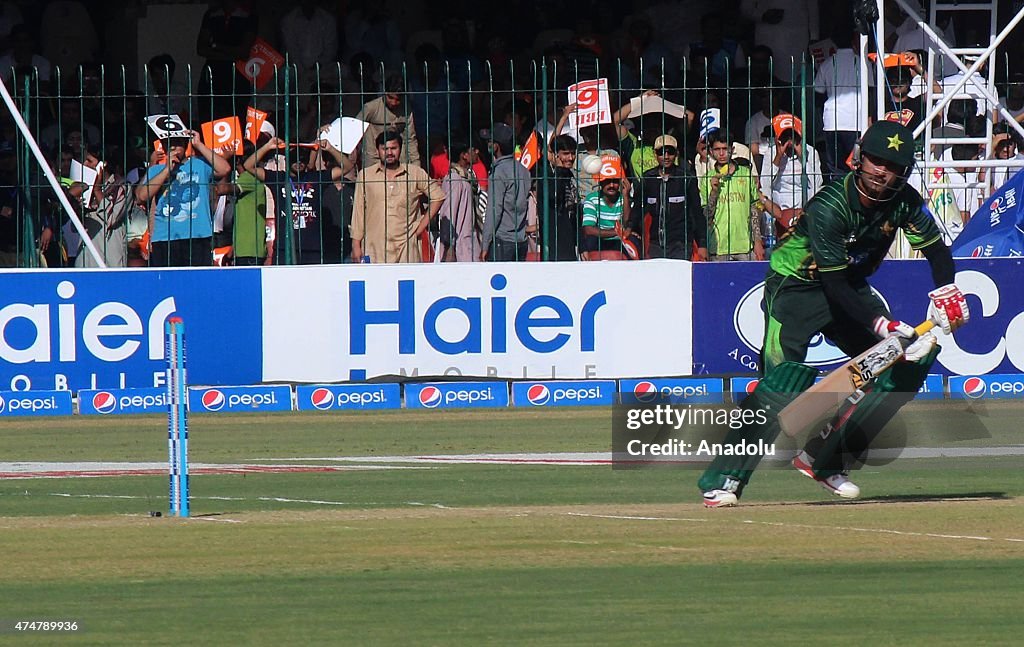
(924, 327)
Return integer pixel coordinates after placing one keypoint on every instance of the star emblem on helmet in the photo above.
(895, 142)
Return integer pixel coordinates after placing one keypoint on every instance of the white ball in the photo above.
(591, 164)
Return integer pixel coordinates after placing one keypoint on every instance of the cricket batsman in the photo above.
(817, 282)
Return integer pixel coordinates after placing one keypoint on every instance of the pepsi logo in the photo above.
(3, 404)
(430, 397)
(213, 400)
(977, 251)
(751, 385)
(322, 399)
(538, 395)
(645, 391)
(104, 402)
(974, 387)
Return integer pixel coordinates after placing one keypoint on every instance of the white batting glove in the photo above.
(884, 327)
(920, 348)
(948, 308)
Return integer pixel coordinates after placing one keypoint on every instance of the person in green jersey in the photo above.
(249, 236)
(817, 283)
(732, 204)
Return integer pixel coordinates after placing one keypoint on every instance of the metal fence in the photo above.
(99, 115)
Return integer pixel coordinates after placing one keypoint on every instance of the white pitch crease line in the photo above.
(224, 498)
(885, 531)
(313, 501)
(632, 518)
(782, 524)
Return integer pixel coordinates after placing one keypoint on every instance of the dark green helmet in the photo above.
(889, 141)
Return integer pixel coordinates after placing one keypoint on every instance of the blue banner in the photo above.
(104, 330)
(122, 401)
(728, 323)
(456, 395)
(35, 403)
(563, 394)
(334, 397)
(997, 228)
(240, 398)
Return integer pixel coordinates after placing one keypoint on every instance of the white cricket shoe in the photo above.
(720, 499)
(838, 484)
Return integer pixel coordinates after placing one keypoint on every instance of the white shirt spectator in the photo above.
(1001, 174)
(784, 184)
(755, 126)
(969, 199)
(788, 38)
(1014, 113)
(910, 36)
(973, 87)
(838, 78)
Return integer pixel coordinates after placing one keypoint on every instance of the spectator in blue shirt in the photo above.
(180, 223)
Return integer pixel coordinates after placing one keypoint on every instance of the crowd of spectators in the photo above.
(471, 151)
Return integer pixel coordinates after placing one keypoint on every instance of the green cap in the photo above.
(889, 141)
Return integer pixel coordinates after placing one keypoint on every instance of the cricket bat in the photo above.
(816, 404)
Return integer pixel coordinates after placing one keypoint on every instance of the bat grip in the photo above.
(924, 327)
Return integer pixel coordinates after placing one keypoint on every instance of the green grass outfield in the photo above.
(402, 552)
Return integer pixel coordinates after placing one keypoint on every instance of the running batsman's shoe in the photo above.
(720, 499)
(838, 484)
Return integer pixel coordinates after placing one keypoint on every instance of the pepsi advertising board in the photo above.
(234, 399)
(932, 389)
(122, 401)
(728, 323)
(456, 395)
(741, 387)
(35, 403)
(974, 387)
(335, 397)
(563, 393)
(678, 390)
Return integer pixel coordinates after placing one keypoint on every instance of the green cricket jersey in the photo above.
(730, 224)
(838, 232)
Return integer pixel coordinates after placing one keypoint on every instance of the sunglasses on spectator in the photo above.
(665, 150)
